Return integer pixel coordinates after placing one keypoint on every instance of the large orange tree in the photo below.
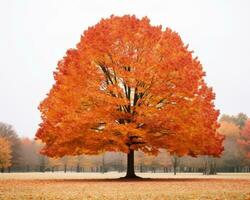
(129, 86)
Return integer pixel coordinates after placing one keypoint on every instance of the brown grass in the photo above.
(101, 189)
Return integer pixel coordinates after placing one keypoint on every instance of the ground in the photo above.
(107, 186)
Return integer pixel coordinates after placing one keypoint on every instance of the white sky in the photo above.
(34, 35)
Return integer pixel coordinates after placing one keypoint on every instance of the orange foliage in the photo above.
(245, 138)
(5, 153)
(229, 129)
(126, 86)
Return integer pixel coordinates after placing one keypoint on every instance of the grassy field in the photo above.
(107, 186)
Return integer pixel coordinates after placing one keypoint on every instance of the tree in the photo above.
(165, 160)
(54, 163)
(69, 162)
(209, 165)
(79, 161)
(5, 153)
(238, 120)
(29, 154)
(129, 86)
(191, 164)
(175, 162)
(42, 160)
(233, 155)
(241, 120)
(8, 132)
(244, 140)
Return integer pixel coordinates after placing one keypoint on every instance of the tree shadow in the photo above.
(167, 180)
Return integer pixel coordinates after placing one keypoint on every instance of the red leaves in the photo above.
(129, 85)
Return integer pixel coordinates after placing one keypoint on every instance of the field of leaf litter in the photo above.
(105, 186)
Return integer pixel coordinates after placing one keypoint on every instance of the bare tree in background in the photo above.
(29, 155)
(175, 162)
(54, 164)
(79, 163)
(209, 165)
(42, 160)
(69, 162)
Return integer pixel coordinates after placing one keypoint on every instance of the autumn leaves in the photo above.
(5, 153)
(129, 86)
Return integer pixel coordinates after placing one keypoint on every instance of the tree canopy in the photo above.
(245, 138)
(129, 86)
(8, 132)
(5, 153)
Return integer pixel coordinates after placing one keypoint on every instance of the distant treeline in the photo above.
(22, 155)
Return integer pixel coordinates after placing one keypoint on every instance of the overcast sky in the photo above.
(34, 36)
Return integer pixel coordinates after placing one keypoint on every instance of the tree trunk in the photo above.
(78, 168)
(42, 168)
(174, 170)
(210, 166)
(141, 168)
(175, 165)
(130, 165)
(103, 164)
